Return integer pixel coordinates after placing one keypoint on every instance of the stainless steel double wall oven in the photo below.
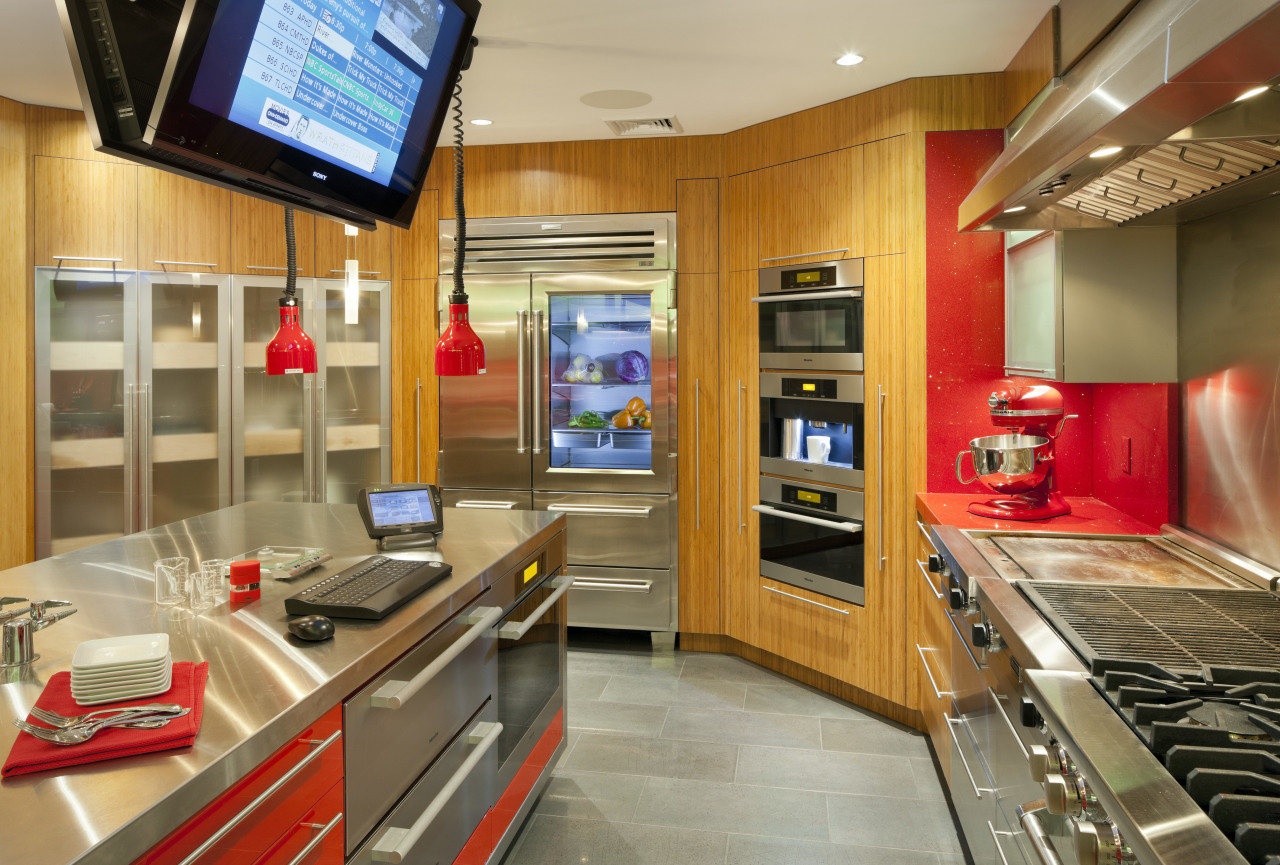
(575, 413)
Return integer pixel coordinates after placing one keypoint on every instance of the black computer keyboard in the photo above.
(369, 589)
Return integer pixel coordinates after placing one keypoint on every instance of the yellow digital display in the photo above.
(806, 496)
(530, 572)
(811, 276)
(808, 387)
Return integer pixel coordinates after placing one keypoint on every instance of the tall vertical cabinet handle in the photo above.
(130, 475)
(742, 523)
(522, 363)
(537, 382)
(880, 475)
(322, 446)
(144, 480)
(417, 430)
(697, 459)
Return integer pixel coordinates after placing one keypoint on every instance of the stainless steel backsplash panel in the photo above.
(1229, 366)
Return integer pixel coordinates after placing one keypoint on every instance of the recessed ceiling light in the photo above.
(849, 59)
(1016, 209)
(1249, 94)
(1105, 151)
(479, 121)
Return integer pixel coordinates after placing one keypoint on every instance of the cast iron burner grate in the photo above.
(1178, 629)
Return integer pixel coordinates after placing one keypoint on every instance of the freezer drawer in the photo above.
(612, 530)
(496, 500)
(631, 598)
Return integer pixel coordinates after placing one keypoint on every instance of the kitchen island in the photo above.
(264, 687)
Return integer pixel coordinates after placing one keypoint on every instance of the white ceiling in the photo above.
(717, 65)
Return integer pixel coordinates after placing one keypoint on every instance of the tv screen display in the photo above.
(339, 98)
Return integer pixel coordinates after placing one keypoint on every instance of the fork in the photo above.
(53, 719)
(85, 732)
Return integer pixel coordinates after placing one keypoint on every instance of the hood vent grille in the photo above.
(560, 244)
(1170, 173)
(649, 126)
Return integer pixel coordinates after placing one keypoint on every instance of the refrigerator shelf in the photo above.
(596, 327)
(615, 383)
(579, 438)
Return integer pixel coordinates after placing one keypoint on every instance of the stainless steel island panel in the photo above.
(263, 686)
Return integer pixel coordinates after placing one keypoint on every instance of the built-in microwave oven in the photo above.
(811, 316)
(811, 426)
(811, 536)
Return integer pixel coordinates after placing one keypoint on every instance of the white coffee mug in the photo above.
(819, 448)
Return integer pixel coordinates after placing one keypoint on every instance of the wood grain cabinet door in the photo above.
(811, 209)
(371, 248)
(183, 224)
(257, 238)
(85, 210)
(738, 433)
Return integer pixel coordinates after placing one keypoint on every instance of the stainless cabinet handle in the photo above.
(803, 255)
(806, 600)
(851, 528)
(130, 476)
(208, 264)
(361, 272)
(924, 531)
(316, 841)
(395, 693)
(517, 630)
(995, 836)
(950, 724)
(697, 458)
(932, 682)
(522, 363)
(396, 844)
(537, 382)
(880, 476)
(262, 797)
(267, 267)
(321, 461)
(1029, 816)
(808, 295)
(1025, 753)
(589, 510)
(742, 523)
(144, 412)
(928, 579)
(61, 258)
(491, 506)
(1028, 369)
(603, 585)
(417, 430)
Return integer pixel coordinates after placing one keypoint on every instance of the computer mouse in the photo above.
(312, 628)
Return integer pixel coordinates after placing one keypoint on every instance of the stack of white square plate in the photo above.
(121, 668)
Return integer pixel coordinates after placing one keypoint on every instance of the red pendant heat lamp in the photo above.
(290, 350)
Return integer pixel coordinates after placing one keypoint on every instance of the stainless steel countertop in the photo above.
(264, 685)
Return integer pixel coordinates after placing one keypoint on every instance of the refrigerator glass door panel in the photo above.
(599, 333)
(273, 415)
(184, 396)
(489, 500)
(485, 419)
(613, 529)
(85, 391)
(354, 396)
(626, 598)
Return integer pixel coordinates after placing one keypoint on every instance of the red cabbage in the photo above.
(632, 366)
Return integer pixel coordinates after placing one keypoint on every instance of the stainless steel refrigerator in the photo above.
(575, 413)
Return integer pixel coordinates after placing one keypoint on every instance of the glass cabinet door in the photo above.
(184, 395)
(354, 391)
(272, 415)
(86, 321)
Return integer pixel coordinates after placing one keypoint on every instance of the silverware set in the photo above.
(76, 729)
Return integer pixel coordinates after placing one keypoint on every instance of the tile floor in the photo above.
(685, 758)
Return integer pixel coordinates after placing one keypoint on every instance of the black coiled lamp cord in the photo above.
(459, 294)
(291, 256)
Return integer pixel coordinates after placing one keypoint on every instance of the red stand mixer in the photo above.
(1020, 466)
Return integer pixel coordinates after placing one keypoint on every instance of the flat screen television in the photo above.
(362, 86)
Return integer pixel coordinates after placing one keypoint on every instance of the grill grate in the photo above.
(1176, 628)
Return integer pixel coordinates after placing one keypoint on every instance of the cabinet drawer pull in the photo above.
(995, 836)
(1027, 369)
(588, 510)
(361, 272)
(207, 264)
(851, 528)
(951, 722)
(485, 506)
(1008, 723)
(267, 267)
(315, 842)
(517, 630)
(803, 255)
(395, 693)
(925, 532)
(263, 797)
(932, 683)
(614, 585)
(809, 295)
(806, 600)
(396, 844)
(937, 594)
(61, 258)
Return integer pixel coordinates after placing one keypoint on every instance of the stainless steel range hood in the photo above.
(1162, 87)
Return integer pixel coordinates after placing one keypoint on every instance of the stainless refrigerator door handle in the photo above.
(322, 442)
(417, 431)
(522, 363)
(851, 528)
(880, 476)
(489, 506)
(517, 630)
(1029, 816)
(144, 412)
(537, 382)
(591, 511)
(809, 295)
(742, 523)
(697, 458)
(130, 476)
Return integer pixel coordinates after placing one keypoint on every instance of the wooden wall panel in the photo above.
(697, 226)
(257, 238)
(59, 132)
(415, 391)
(371, 248)
(810, 208)
(84, 208)
(915, 331)
(17, 460)
(883, 194)
(420, 244)
(183, 220)
(742, 223)
(1032, 67)
(740, 458)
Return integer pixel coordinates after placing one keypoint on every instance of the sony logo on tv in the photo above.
(318, 176)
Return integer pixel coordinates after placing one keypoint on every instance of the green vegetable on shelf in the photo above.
(587, 420)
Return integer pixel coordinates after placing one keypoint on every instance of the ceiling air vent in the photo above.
(647, 126)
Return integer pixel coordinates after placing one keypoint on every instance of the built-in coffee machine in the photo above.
(811, 427)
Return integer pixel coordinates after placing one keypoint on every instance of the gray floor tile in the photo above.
(596, 716)
(928, 782)
(585, 686)
(659, 665)
(728, 668)
(873, 737)
(652, 691)
(951, 859)
(743, 728)
(733, 808)
(659, 758)
(591, 796)
(549, 840)
(795, 699)
(873, 822)
(752, 850)
(859, 774)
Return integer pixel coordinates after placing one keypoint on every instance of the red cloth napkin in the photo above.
(30, 754)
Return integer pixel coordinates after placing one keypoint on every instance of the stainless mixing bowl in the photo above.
(1007, 463)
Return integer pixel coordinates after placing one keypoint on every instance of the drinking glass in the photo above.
(206, 588)
(172, 581)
